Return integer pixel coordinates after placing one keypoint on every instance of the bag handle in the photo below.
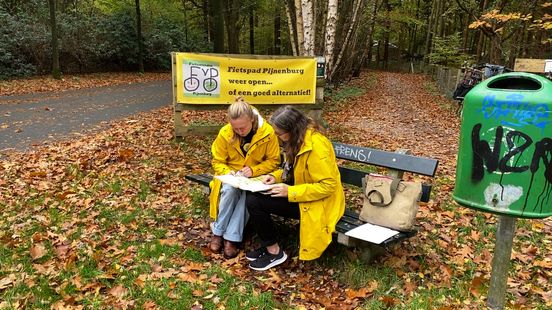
(393, 189)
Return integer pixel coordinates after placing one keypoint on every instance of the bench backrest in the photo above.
(389, 160)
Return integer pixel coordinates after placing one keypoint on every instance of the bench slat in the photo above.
(202, 179)
(408, 163)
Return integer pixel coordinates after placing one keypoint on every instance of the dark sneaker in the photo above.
(268, 260)
(255, 254)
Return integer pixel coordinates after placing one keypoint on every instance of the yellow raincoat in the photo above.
(262, 157)
(318, 191)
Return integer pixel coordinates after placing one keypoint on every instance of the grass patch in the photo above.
(193, 255)
(338, 98)
(199, 203)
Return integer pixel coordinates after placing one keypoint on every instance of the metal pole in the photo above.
(501, 262)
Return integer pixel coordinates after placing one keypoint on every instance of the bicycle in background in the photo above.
(473, 75)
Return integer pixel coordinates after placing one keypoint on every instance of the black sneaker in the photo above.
(268, 260)
(255, 254)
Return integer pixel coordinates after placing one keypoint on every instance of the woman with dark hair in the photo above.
(306, 187)
(246, 146)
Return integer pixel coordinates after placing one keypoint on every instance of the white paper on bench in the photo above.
(372, 233)
(248, 184)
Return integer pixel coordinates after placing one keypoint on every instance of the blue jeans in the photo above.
(232, 214)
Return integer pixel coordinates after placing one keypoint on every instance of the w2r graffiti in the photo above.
(508, 156)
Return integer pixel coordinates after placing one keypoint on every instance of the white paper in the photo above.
(372, 233)
(247, 184)
(548, 65)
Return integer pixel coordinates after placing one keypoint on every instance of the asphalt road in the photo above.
(35, 119)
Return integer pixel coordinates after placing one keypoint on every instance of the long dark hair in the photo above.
(295, 123)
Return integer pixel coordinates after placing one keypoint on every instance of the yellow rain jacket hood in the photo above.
(318, 191)
(262, 157)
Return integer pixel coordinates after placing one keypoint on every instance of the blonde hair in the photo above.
(241, 108)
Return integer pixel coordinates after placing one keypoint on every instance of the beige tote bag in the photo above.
(390, 202)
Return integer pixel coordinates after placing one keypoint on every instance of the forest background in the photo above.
(137, 35)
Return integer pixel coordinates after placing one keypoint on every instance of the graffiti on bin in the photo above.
(509, 160)
(514, 112)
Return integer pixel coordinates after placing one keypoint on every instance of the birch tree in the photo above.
(309, 26)
(299, 27)
(331, 25)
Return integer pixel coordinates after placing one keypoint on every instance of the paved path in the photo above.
(33, 119)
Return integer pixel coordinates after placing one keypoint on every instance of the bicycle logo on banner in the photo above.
(201, 79)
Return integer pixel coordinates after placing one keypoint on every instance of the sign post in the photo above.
(501, 262)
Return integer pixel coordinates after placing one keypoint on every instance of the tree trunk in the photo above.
(299, 28)
(139, 37)
(386, 34)
(251, 32)
(309, 26)
(292, 28)
(331, 26)
(479, 49)
(413, 47)
(277, 30)
(442, 23)
(345, 44)
(465, 33)
(218, 26)
(185, 12)
(429, 34)
(207, 21)
(232, 26)
(56, 72)
(369, 41)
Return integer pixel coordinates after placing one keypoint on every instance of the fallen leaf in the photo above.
(118, 291)
(389, 301)
(149, 305)
(37, 251)
(475, 286)
(7, 281)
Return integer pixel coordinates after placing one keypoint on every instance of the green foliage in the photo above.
(447, 51)
(338, 97)
(18, 40)
(344, 93)
(95, 36)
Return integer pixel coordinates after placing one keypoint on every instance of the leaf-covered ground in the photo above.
(108, 220)
(75, 81)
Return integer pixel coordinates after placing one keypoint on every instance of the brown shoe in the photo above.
(216, 244)
(230, 249)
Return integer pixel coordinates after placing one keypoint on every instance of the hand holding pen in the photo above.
(244, 172)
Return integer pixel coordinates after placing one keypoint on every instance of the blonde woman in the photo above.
(246, 146)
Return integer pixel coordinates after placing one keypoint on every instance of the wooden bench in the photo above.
(395, 163)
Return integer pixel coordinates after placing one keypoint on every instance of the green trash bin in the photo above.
(505, 153)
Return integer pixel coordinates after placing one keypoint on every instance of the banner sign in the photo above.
(209, 79)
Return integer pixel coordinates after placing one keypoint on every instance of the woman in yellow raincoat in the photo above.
(307, 187)
(246, 146)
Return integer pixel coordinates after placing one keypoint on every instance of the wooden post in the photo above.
(501, 262)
